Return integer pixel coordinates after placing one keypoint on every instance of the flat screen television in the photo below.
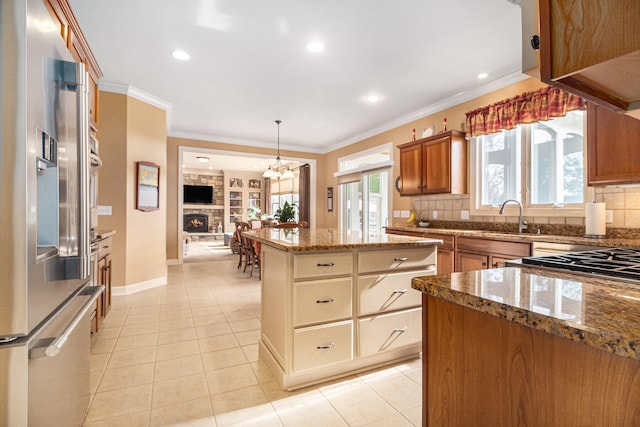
(201, 194)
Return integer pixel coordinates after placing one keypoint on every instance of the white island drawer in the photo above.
(322, 345)
(396, 258)
(386, 292)
(390, 331)
(322, 264)
(322, 300)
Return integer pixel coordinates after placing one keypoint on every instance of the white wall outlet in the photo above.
(104, 210)
(434, 215)
(396, 214)
(404, 214)
(464, 214)
(609, 214)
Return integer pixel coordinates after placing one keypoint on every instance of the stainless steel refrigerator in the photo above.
(46, 295)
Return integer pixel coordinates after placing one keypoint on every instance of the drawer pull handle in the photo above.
(400, 291)
(324, 301)
(401, 259)
(326, 346)
(401, 330)
(328, 264)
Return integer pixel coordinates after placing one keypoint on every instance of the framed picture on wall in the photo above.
(147, 186)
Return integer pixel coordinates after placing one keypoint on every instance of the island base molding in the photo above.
(296, 380)
(479, 369)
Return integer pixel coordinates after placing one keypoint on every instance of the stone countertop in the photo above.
(632, 242)
(322, 239)
(600, 313)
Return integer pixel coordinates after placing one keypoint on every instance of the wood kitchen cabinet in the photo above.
(479, 254)
(446, 252)
(71, 33)
(434, 165)
(613, 139)
(592, 49)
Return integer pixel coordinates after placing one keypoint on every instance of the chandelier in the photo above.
(279, 169)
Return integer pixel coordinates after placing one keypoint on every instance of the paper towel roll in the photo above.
(595, 220)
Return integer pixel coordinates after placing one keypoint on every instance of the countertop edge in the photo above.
(406, 241)
(608, 341)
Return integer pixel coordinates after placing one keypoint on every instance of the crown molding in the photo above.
(134, 92)
(449, 102)
(240, 141)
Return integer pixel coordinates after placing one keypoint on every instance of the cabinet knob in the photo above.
(401, 259)
(535, 42)
(324, 301)
(328, 264)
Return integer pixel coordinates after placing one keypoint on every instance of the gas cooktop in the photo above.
(617, 263)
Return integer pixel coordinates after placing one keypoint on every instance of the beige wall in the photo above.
(132, 131)
(173, 229)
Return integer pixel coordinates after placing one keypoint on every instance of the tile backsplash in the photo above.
(624, 202)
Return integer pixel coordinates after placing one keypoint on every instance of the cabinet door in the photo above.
(498, 261)
(446, 261)
(469, 262)
(437, 166)
(612, 144)
(411, 170)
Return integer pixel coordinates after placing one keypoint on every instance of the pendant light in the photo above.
(275, 170)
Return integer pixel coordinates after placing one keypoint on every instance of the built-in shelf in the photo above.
(199, 206)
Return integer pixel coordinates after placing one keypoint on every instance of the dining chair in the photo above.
(240, 228)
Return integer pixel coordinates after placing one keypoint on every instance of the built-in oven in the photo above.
(96, 163)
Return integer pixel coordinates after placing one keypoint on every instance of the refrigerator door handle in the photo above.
(55, 346)
(82, 93)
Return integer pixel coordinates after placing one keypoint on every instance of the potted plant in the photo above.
(286, 213)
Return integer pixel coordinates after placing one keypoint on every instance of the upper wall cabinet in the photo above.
(588, 47)
(434, 165)
(76, 43)
(613, 139)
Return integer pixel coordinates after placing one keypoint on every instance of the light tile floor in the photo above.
(187, 354)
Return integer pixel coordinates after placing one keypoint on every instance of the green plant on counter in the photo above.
(285, 213)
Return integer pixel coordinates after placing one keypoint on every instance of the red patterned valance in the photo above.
(530, 107)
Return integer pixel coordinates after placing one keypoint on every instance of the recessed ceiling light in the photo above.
(483, 75)
(202, 159)
(315, 47)
(181, 55)
(373, 98)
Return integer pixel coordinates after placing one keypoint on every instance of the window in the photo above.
(364, 188)
(541, 165)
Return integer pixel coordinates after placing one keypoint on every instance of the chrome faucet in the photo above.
(522, 225)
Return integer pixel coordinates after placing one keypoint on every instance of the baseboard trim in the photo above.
(139, 287)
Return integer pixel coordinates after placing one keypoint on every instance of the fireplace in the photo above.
(196, 223)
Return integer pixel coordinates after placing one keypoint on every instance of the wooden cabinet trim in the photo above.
(491, 246)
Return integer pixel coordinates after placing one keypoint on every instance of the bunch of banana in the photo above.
(413, 216)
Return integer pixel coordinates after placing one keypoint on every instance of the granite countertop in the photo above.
(307, 239)
(600, 313)
(624, 242)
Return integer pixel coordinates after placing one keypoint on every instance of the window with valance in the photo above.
(530, 107)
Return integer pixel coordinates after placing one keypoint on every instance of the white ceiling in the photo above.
(249, 64)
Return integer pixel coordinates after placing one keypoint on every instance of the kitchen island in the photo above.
(335, 303)
(527, 346)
